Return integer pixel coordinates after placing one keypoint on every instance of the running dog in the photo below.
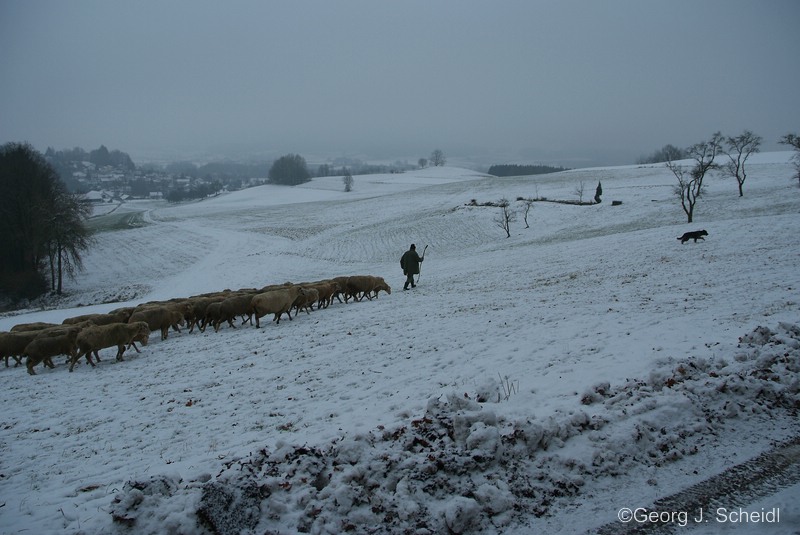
(696, 235)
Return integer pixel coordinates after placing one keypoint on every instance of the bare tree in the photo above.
(348, 180)
(67, 237)
(437, 158)
(526, 208)
(506, 217)
(739, 150)
(579, 191)
(793, 140)
(690, 181)
(423, 163)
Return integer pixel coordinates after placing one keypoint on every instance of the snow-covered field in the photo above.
(535, 384)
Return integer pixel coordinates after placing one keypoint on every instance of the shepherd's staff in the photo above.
(420, 264)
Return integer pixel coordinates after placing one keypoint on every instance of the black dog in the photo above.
(696, 235)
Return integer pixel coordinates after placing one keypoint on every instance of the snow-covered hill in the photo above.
(537, 383)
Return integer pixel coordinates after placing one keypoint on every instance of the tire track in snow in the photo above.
(737, 486)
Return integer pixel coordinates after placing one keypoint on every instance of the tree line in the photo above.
(42, 225)
(101, 157)
(523, 170)
(200, 191)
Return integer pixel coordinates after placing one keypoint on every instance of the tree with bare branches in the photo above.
(579, 189)
(526, 208)
(437, 158)
(739, 150)
(690, 181)
(67, 235)
(507, 215)
(793, 140)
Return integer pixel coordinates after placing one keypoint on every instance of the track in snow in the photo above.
(737, 486)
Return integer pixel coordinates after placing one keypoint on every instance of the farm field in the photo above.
(536, 383)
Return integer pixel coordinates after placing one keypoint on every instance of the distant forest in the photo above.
(100, 157)
(521, 170)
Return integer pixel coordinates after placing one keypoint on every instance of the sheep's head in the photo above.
(142, 333)
(143, 337)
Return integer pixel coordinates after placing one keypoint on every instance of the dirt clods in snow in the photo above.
(458, 468)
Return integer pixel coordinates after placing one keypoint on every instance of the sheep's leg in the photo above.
(121, 350)
(134, 346)
(73, 361)
(30, 364)
(164, 332)
(48, 361)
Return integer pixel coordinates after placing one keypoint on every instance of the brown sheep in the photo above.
(212, 317)
(380, 285)
(237, 305)
(159, 319)
(306, 300)
(37, 326)
(44, 348)
(341, 287)
(360, 286)
(121, 316)
(13, 344)
(276, 302)
(197, 312)
(357, 287)
(326, 289)
(181, 305)
(93, 339)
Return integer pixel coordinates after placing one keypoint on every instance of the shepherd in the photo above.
(410, 262)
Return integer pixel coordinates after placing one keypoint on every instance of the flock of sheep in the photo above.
(84, 336)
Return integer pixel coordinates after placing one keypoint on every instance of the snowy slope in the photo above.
(540, 382)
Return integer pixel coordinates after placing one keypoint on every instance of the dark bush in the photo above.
(22, 285)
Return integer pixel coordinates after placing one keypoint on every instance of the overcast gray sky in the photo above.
(576, 81)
